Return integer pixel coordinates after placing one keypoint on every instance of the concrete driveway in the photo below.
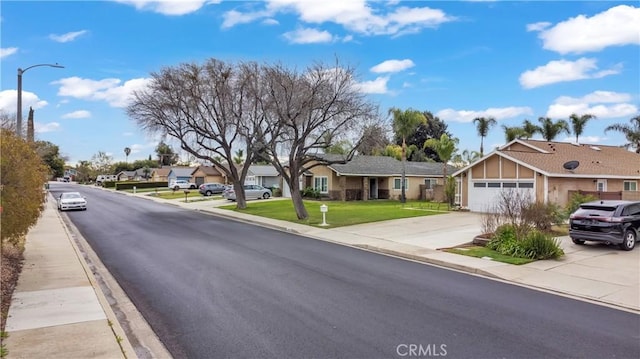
(433, 232)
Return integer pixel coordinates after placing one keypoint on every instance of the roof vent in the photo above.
(595, 148)
(571, 165)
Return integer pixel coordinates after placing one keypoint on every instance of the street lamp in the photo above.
(19, 110)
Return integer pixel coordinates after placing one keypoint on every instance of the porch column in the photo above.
(365, 188)
(343, 188)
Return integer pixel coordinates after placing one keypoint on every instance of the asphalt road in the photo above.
(217, 288)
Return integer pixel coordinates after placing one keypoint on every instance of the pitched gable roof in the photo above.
(263, 170)
(384, 166)
(181, 171)
(162, 172)
(207, 170)
(549, 157)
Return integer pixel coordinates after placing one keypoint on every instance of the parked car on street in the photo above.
(182, 184)
(208, 189)
(72, 200)
(250, 191)
(611, 222)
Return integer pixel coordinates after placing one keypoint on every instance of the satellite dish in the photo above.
(571, 165)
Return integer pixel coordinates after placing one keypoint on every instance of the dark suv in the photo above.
(208, 189)
(612, 222)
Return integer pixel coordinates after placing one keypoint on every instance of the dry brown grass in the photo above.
(11, 260)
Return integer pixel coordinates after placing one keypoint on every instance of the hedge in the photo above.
(129, 185)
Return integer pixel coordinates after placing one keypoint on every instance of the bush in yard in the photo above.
(542, 216)
(311, 192)
(539, 245)
(576, 200)
(505, 240)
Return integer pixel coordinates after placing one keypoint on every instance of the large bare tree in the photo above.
(211, 109)
(305, 109)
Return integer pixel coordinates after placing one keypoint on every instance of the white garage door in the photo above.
(483, 194)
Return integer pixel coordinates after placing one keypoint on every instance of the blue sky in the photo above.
(510, 60)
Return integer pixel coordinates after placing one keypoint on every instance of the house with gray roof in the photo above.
(377, 177)
(180, 173)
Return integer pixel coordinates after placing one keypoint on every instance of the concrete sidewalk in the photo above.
(57, 309)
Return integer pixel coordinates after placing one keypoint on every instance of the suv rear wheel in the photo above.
(577, 241)
(208, 193)
(629, 240)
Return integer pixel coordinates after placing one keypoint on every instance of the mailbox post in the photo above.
(186, 196)
(324, 209)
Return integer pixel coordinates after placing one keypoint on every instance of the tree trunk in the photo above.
(296, 198)
(241, 201)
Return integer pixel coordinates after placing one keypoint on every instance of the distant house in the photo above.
(137, 175)
(549, 172)
(264, 175)
(376, 177)
(180, 173)
(208, 174)
(160, 174)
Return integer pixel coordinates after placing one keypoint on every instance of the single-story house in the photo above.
(160, 174)
(377, 177)
(137, 175)
(208, 174)
(180, 173)
(264, 175)
(548, 172)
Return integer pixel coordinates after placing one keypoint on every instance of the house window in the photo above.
(321, 184)
(480, 184)
(525, 185)
(508, 185)
(601, 185)
(630, 186)
(493, 184)
(397, 183)
(430, 183)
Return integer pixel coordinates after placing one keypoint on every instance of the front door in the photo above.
(373, 188)
(601, 185)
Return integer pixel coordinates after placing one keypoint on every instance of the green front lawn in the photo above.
(480, 252)
(180, 195)
(342, 213)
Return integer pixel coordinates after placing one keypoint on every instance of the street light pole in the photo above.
(19, 109)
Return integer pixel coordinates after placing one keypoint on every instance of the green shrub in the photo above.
(576, 200)
(311, 192)
(504, 240)
(109, 184)
(129, 185)
(542, 216)
(539, 245)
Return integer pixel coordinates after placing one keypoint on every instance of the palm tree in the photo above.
(550, 130)
(405, 124)
(511, 133)
(530, 128)
(127, 152)
(445, 147)
(483, 124)
(470, 156)
(578, 123)
(239, 157)
(631, 132)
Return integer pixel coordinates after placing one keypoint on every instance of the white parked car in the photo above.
(182, 184)
(72, 200)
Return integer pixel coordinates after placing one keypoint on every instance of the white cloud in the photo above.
(270, 21)
(602, 104)
(500, 113)
(565, 70)
(7, 51)
(358, 16)
(377, 86)
(45, 127)
(77, 114)
(617, 26)
(69, 36)
(538, 26)
(169, 7)
(108, 90)
(392, 66)
(233, 18)
(308, 36)
(9, 101)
